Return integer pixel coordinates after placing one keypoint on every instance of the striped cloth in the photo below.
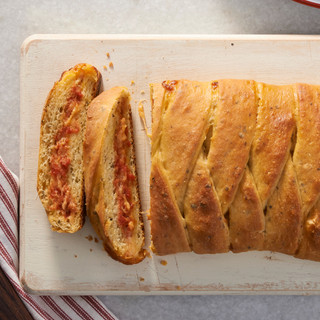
(40, 307)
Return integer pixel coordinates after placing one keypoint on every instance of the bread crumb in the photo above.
(142, 92)
(91, 250)
(132, 82)
(111, 65)
(89, 237)
(143, 117)
(178, 287)
(107, 79)
(164, 262)
(96, 240)
(141, 279)
(75, 256)
(148, 255)
(105, 67)
(108, 55)
(146, 212)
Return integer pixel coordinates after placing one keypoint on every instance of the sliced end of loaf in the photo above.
(102, 203)
(86, 80)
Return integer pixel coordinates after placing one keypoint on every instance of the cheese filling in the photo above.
(124, 179)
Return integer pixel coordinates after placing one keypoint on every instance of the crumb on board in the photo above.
(178, 287)
(141, 279)
(107, 79)
(163, 262)
(89, 237)
(143, 117)
(271, 257)
(75, 256)
(105, 67)
(145, 212)
(111, 65)
(108, 55)
(142, 92)
(96, 240)
(132, 82)
(91, 250)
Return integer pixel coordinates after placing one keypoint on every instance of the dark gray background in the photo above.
(19, 19)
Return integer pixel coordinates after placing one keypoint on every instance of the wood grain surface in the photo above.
(11, 307)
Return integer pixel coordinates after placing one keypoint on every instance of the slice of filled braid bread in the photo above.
(60, 183)
(111, 184)
(86, 144)
(235, 166)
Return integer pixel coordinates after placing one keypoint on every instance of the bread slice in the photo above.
(111, 185)
(60, 169)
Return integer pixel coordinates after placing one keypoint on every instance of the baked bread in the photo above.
(111, 185)
(60, 169)
(235, 166)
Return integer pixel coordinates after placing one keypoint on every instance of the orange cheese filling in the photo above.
(59, 191)
(124, 179)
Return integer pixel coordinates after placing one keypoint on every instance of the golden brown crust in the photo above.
(284, 214)
(82, 83)
(246, 217)
(271, 144)
(180, 121)
(306, 156)
(234, 123)
(98, 114)
(310, 244)
(183, 126)
(157, 93)
(207, 227)
(167, 225)
(306, 160)
(249, 171)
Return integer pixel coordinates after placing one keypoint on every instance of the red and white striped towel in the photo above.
(40, 307)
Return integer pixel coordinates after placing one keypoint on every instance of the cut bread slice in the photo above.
(60, 183)
(111, 186)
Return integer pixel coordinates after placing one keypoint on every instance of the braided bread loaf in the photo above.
(235, 166)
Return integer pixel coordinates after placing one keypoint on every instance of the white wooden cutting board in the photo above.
(52, 263)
